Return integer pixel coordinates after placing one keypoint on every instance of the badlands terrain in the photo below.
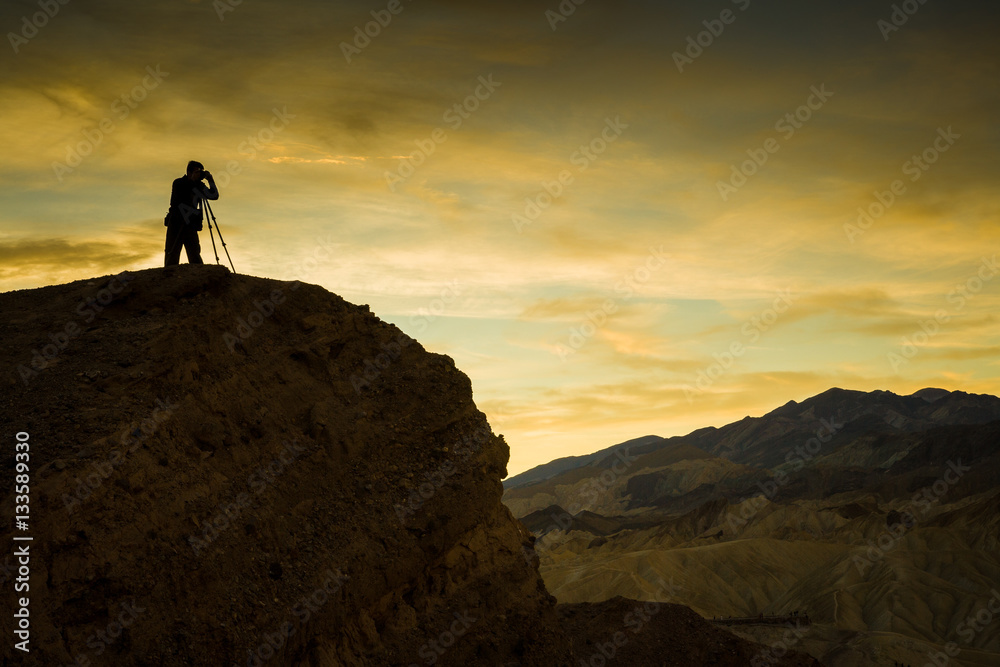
(875, 514)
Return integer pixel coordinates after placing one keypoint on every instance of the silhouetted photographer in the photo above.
(184, 219)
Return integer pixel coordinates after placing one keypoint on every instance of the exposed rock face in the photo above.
(256, 472)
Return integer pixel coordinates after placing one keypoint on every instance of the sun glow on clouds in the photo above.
(517, 298)
(302, 160)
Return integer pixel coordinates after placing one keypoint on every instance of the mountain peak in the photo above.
(931, 394)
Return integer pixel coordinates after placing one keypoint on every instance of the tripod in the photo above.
(210, 218)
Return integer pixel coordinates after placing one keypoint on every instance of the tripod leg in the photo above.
(222, 240)
(211, 235)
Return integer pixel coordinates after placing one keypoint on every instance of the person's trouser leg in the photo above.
(172, 248)
(192, 246)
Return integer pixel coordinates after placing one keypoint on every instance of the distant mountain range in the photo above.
(764, 441)
(789, 511)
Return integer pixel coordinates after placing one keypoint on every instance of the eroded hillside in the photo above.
(881, 521)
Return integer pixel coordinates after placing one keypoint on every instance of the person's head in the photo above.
(195, 170)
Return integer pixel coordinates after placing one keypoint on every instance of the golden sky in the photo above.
(623, 220)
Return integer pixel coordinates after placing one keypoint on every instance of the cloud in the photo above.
(25, 261)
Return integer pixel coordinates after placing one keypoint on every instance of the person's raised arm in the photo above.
(211, 192)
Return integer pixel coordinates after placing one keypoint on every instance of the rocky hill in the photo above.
(226, 470)
(877, 514)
